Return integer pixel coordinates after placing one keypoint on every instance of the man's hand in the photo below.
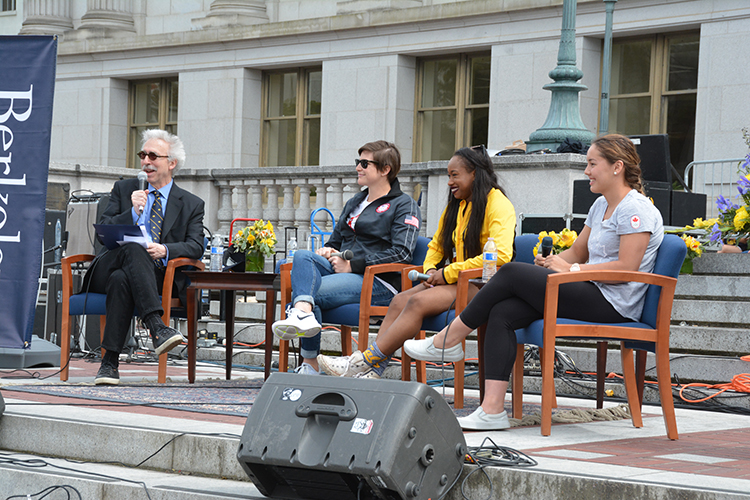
(157, 250)
(139, 199)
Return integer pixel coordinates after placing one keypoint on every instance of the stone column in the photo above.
(46, 17)
(256, 200)
(241, 192)
(233, 12)
(286, 213)
(302, 214)
(109, 15)
(225, 211)
(272, 209)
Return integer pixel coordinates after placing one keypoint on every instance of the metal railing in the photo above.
(714, 178)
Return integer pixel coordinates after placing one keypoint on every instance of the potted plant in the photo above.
(255, 242)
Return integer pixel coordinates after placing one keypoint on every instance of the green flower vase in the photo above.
(687, 267)
(254, 262)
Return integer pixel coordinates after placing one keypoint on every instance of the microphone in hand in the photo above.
(546, 246)
(346, 254)
(414, 275)
(142, 181)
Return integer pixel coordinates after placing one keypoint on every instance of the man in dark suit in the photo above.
(132, 275)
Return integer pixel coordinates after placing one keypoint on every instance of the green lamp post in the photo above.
(564, 117)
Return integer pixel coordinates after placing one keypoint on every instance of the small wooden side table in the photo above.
(231, 282)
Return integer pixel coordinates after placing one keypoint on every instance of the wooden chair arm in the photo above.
(285, 292)
(406, 283)
(172, 265)
(67, 272)
(462, 291)
(370, 272)
(667, 284)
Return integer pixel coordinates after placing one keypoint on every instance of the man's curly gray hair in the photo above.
(176, 148)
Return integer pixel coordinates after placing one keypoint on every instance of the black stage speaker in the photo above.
(655, 159)
(687, 207)
(535, 224)
(583, 198)
(341, 438)
(660, 193)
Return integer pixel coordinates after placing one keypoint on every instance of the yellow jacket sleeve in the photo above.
(499, 223)
(435, 248)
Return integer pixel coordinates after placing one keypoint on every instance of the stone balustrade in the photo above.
(287, 195)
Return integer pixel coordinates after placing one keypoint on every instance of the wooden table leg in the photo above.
(229, 312)
(270, 315)
(192, 321)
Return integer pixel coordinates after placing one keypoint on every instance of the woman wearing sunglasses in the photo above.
(477, 210)
(378, 225)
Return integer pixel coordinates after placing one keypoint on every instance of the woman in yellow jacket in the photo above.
(477, 210)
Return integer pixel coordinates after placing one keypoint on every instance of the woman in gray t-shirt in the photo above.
(623, 232)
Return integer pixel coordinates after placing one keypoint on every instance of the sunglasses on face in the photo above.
(364, 163)
(151, 155)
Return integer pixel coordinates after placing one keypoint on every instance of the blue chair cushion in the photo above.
(96, 303)
(438, 322)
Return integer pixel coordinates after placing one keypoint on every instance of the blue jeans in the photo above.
(315, 282)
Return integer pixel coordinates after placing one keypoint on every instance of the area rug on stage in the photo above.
(236, 397)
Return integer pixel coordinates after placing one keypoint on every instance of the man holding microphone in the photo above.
(132, 275)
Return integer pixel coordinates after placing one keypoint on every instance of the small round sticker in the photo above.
(382, 208)
(635, 222)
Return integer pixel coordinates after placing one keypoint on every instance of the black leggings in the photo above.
(514, 298)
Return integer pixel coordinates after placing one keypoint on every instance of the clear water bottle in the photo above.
(217, 253)
(291, 249)
(489, 260)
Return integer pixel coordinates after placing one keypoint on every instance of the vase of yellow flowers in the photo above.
(256, 242)
(560, 241)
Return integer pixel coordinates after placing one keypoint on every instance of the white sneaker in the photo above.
(306, 369)
(371, 373)
(343, 366)
(426, 351)
(481, 421)
(297, 324)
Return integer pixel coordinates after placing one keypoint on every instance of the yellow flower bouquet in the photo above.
(256, 241)
(560, 241)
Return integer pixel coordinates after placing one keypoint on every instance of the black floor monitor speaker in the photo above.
(583, 198)
(347, 439)
(686, 207)
(660, 194)
(655, 159)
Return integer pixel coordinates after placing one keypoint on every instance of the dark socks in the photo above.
(111, 357)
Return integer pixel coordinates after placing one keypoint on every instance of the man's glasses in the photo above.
(364, 163)
(151, 155)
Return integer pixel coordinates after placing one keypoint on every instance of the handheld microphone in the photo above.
(142, 181)
(346, 254)
(414, 275)
(546, 246)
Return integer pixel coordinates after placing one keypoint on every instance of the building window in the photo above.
(153, 104)
(453, 96)
(291, 118)
(7, 5)
(654, 90)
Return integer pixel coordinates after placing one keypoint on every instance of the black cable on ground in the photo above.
(48, 491)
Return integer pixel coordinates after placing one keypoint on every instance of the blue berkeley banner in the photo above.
(27, 84)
